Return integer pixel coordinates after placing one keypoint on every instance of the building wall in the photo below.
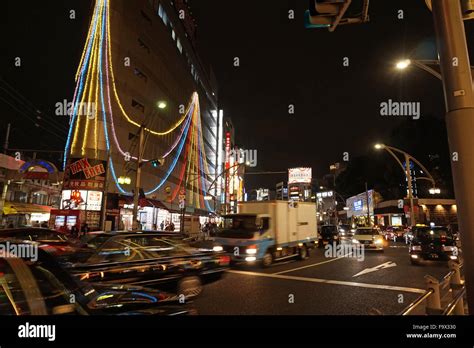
(160, 70)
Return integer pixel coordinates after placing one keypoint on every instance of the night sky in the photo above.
(337, 108)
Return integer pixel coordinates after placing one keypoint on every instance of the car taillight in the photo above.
(224, 260)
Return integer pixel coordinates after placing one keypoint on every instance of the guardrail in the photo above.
(433, 295)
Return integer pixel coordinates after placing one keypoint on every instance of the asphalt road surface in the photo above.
(382, 283)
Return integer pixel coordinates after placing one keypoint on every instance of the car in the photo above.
(394, 233)
(329, 234)
(432, 243)
(43, 287)
(369, 237)
(144, 258)
(53, 241)
(345, 231)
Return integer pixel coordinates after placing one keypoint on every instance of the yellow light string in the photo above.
(117, 98)
(191, 167)
(195, 163)
(79, 110)
(93, 79)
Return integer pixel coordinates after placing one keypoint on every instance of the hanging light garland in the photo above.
(97, 57)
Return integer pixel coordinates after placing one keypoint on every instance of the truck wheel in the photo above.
(303, 253)
(267, 259)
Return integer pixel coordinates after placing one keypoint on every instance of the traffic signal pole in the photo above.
(459, 98)
(136, 193)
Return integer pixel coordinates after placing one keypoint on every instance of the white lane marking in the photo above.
(312, 265)
(333, 282)
(398, 246)
(376, 268)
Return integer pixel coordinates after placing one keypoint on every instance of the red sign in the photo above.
(88, 170)
(85, 174)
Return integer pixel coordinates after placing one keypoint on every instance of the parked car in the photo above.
(369, 237)
(433, 243)
(53, 241)
(43, 287)
(328, 234)
(144, 258)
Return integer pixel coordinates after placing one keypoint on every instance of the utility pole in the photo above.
(136, 192)
(7, 139)
(368, 210)
(459, 98)
(410, 189)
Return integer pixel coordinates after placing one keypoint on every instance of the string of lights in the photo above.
(93, 85)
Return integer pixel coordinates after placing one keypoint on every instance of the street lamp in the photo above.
(403, 64)
(434, 191)
(161, 104)
(406, 169)
(124, 180)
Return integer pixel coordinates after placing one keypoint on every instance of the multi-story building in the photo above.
(29, 190)
(141, 68)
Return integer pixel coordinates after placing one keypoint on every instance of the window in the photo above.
(145, 17)
(143, 45)
(138, 105)
(140, 74)
(162, 14)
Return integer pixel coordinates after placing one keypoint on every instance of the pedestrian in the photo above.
(74, 231)
(85, 229)
(162, 225)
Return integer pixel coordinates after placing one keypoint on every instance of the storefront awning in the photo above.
(24, 208)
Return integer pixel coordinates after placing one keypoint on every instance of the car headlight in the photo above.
(251, 251)
(355, 241)
(217, 248)
(378, 241)
(416, 248)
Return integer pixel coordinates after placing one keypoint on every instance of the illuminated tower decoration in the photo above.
(92, 135)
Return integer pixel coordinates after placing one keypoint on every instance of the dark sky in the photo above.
(337, 108)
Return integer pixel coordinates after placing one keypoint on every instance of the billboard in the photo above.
(299, 176)
(85, 174)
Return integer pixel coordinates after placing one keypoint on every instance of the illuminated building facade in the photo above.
(140, 68)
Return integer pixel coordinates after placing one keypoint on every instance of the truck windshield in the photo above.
(239, 227)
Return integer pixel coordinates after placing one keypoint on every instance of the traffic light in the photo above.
(325, 13)
(329, 14)
(157, 162)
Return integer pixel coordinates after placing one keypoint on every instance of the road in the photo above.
(381, 283)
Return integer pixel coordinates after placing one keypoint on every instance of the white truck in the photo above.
(267, 231)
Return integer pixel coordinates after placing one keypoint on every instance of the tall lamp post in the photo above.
(407, 170)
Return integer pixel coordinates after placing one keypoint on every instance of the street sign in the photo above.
(182, 204)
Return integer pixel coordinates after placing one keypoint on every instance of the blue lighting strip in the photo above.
(85, 64)
(175, 160)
